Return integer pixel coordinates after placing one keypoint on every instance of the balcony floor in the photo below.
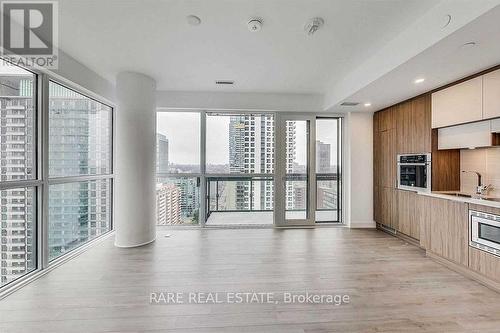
(393, 286)
(240, 218)
(257, 218)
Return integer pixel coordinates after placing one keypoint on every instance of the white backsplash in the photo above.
(486, 161)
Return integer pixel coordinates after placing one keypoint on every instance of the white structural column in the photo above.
(135, 206)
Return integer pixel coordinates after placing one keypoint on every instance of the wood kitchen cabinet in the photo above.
(408, 213)
(458, 104)
(413, 126)
(491, 95)
(424, 216)
(485, 264)
(386, 119)
(388, 158)
(448, 230)
(384, 168)
(387, 207)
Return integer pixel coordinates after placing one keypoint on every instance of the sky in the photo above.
(183, 131)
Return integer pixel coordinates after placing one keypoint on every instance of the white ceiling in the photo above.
(152, 37)
(442, 63)
(368, 50)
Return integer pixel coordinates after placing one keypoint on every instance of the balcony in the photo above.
(248, 201)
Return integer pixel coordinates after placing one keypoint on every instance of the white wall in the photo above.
(75, 72)
(359, 170)
(239, 101)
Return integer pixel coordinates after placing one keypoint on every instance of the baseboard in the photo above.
(363, 225)
(135, 245)
(409, 239)
(465, 271)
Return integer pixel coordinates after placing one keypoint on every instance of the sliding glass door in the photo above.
(295, 185)
(328, 170)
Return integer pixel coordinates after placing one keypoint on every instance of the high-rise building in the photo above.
(188, 201)
(168, 204)
(17, 246)
(190, 198)
(79, 144)
(188, 189)
(161, 154)
(245, 156)
(242, 157)
(323, 157)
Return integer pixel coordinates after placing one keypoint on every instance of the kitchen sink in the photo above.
(465, 195)
(491, 199)
(457, 194)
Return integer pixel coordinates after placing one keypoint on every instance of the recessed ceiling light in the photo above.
(420, 80)
(368, 105)
(193, 20)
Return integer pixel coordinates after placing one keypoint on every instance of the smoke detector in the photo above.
(255, 24)
(313, 25)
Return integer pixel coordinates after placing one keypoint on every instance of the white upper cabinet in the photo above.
(495, 125)
(474, 135)
(491, 95)
(458, 104)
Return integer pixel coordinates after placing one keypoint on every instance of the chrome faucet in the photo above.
(480, 189)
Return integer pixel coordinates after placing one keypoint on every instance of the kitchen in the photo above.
(437, 174)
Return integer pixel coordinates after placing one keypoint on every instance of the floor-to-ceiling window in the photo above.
(80, 168)
(218, 168)
(178, 168)
(18, 173)
(56, 171)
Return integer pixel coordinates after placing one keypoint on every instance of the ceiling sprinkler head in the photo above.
(313, 25)
(255, 24)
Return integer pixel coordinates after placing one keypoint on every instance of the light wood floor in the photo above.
(393, 286)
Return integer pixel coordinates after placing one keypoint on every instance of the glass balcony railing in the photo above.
(239, 194)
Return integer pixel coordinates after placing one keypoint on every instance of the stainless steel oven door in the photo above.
(485, 232)
(414, 176)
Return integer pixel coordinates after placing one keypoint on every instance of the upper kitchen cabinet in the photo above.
(458, 104)
(413, 126)
(474, 135)
(495, 125)
(491, 95)
(386, 119)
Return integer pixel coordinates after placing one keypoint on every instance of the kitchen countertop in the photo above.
(474, 201)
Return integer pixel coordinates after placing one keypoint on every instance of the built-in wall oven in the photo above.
(414, 172)
(484, 231)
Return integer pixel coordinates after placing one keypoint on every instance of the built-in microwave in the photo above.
(414, 172)
(484, 232)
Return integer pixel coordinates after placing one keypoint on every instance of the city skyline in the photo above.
(182, 130)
